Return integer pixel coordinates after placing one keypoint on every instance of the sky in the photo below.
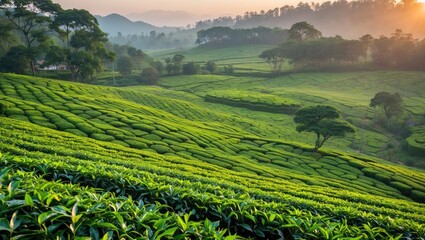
(202, 9)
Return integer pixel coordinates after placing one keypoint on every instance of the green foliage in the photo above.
(323, 121)
(125, 65)
(191, 68)
(210, 66)
(102, 137)
(254, 100)
(208, 164)
(275, 58)
(302, 31)
(392, 104)
(16, 60)
(150, 76)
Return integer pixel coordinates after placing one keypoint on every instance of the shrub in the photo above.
(152, 137)
(191, 68)
(383, 178)
(62, 125)
(14, 111)
(35, 119)
(401, 187)
(102, 137)
(370, 172)
(118, 124)
(87, 128)
(210, 66)
(30, 113)
(93, 113)
(122, 143)
(150, 76)
(349, 176)
(124, 65)
(143, 127)
(136, 144)
(161, 149)
(418, 196)
(76, 132)
(19, 117)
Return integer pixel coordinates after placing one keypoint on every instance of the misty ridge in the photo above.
(350, 20)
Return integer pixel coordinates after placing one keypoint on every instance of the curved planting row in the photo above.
(142, 127)
(416, 142)
(253, 100)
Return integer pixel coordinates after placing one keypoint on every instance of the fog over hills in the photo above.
(167, 18)
(115, 23)
(349, 20)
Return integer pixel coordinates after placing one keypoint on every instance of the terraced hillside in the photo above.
(350, 92)
(160, 163)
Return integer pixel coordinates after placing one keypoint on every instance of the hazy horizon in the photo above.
(195, 10)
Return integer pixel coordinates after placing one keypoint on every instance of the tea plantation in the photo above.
(80, 161)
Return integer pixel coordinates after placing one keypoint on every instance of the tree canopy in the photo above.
(324, 121)
(226, 36)
(392, 104)
(275, 58)
(30, 19)
(303, 31)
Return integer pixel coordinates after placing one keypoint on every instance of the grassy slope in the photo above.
(351, 92)
(175, 127)
(234, 149)
(200, 142)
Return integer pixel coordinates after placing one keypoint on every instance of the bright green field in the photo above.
(161, 163)
(243, 58)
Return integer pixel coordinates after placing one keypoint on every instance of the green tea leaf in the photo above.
(28, 200)
(45, 216)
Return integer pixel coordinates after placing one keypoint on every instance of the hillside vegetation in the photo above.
(154, 162)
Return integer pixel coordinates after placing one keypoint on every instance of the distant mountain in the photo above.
(115, 23)
(168, 18)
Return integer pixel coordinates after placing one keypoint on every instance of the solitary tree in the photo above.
(191, 68)
(392, 104)
(210, 66)
(275, 58)
(158, 65)
(137, 57)
(302, 31)
(150, 76)
(125, 65)
(324, 121)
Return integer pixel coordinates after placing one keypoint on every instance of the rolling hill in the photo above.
(115, 23)
(161, 163)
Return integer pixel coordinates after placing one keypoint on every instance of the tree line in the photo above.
(349, 19)
(307, 49)
(226, 36)
(155, 40)
(39, 33)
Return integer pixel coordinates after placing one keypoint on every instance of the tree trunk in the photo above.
(317, 144)
(32, 67)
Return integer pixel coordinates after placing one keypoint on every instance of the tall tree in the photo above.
(392, 104)
(324, 121)
(137, 57)
(275, 58)
(30, 19)
(7, 39)
(83, 42)
(125, 65)
(366, 41)
(303, 31)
